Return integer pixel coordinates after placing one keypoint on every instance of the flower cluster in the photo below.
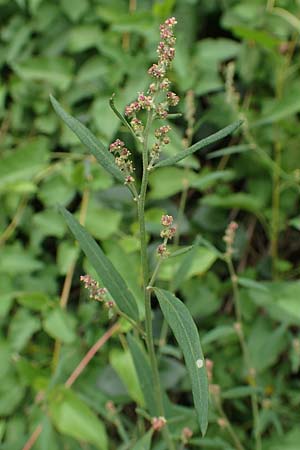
(186, 435)
(229, 237)
(166, 233)
(158, 97)
(122, 159)
(158, 423)
(162, 139)
(95, 291)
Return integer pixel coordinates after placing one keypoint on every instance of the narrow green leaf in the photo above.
(183, 269)
(145, 442)
(251, 284)
(120, 116)
(71, 416)
(109, 276)
(143, 370)
(241, 392)
(201, 144)
(229, 151)
(103, 156)
(181, 322)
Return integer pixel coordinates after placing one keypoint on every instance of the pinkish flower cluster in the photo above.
(160, 85)
(186, 435)
(162, 140)
(166, 233)
(122, 159)
(158, 423)
(95, 291)
(229, 237)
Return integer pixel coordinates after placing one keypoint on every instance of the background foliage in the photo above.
(240, 59)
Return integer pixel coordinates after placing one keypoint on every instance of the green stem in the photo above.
(246, 355)
(275, 209)
(229, 427)
(147, 292)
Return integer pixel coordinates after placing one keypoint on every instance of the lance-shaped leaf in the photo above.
(181, 322)
(103, 156)
(201, 144)
(109, 276)
(143, 370)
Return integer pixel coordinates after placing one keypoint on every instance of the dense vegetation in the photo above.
(235, 59)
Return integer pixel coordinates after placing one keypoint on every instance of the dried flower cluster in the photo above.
(96, 292)
(229, 237)
(166, 233)
(122, 159)
(157, 100)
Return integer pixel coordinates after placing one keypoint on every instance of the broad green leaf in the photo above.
(37, 301)
(261, 37)
(83, 37)
(74, 9)
(279, 109)
(71, 416)
(185, 331)
(289, 441)
(107, 273)
(22, 326)
(143, 370)
(201, 261)
(208, 180)
(23, 164)
(60, 325)
(219, 333)
(168, 181)
(55, 70)
(145, 442)
(122, 363)
(295, 222)
(101, 153)
(280, 299)
(201, 144)
(266, 344)
(212, 51)
(102, 229)
(11, 394)
(241, 200)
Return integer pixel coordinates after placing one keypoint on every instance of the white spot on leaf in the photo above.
(199, 363)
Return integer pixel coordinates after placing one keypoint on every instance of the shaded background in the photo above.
(237, 59)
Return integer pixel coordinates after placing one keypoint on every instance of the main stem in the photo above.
(147, 292)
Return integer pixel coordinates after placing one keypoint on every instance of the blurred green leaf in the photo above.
(71, 416)
(55, 70)
(60, 325)
(143, 370)
(122, 363)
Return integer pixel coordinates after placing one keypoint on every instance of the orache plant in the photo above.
(150, 108)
